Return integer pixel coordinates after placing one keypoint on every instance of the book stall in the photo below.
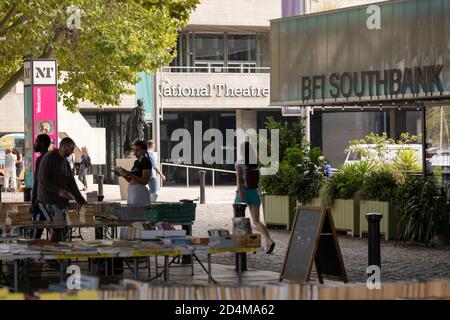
(145, 232)
(134, 290)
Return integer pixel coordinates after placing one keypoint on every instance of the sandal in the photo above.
(270, 247)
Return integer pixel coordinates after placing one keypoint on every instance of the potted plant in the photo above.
(340, 193)
(422, 209)
(278, 204)
(299, 177)
(376, 195)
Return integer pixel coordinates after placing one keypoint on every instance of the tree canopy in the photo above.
(99, 60)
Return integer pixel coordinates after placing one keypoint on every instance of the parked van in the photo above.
(390, 152)
(13, 140)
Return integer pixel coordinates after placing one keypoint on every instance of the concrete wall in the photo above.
(236, 12)
(69, 124)
(246, 119)
(75, 126)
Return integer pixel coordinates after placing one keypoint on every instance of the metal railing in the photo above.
(217, 68)
(196, 168)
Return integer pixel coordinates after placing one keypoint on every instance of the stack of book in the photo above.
(18, 216)
(135, 290)
(436, 289)
(72, 217)
(2, 215)
(128, 233)
(100, 208)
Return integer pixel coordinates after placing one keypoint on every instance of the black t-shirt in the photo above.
(141, 165)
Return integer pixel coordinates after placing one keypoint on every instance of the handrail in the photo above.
(209, 68)
(198, 168)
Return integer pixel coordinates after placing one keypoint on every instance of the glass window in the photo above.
(242, 47)
(209, 47)
(438, 143)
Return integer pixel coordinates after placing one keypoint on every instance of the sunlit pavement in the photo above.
(398, 262)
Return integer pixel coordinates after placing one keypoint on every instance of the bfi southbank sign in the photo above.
(387, 83)
(394, 50)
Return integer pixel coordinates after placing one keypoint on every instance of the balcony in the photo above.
(218, 67)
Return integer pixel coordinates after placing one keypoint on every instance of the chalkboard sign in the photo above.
(313, 239)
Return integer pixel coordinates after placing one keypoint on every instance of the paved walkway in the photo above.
(398, 262)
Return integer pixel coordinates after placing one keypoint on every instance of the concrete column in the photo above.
(246, 119)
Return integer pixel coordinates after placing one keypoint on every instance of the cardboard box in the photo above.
(241, 240)
(253, 240)
(223, 242)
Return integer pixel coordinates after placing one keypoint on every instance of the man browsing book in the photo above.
(57, 185)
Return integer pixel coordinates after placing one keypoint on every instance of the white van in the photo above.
(390, 152)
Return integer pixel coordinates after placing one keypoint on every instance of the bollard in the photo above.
(373, 220)
(239, 211)
(202, 186)
(27, 194)
(1, 189)
(100, 187)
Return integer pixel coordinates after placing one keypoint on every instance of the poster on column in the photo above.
(40, 95)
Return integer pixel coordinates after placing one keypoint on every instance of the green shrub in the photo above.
(348, 180)
(379, 185)
(422, 210)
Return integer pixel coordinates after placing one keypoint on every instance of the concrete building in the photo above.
(221, 77)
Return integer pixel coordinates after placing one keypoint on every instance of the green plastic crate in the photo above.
(175, 211)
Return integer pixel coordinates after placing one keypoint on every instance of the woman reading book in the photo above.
(139, 176)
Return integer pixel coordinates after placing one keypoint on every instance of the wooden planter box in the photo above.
(345, 214)
(279, 210)
(388, 224)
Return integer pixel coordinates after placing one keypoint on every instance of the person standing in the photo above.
(19, 162)
(71, 160)
(10, 171)
(41, 145)
(247, 177)
(84, 165)
(56, 185)
(139, 176)
(153, 185)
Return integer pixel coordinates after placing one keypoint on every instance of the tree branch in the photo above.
(49, 52)
(22, 19)
(10, 83)
(8, 16)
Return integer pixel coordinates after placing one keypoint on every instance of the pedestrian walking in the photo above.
(153, 185)
(84, 166)
(247, 177)
(10, 177)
